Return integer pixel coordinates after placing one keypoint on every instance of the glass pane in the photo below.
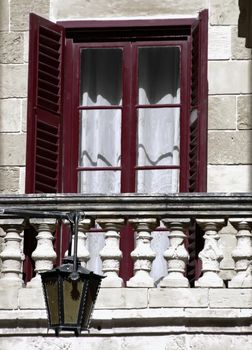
(158, 136)
(158, 181)
(159, 75)
(100, 138)
(99, 182)
(101, 77)
(52, 295)
(72, 298)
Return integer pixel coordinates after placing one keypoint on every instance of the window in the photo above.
(117, 106)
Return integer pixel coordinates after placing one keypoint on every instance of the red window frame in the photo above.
(129, 109)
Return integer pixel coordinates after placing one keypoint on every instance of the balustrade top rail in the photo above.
(182, 205)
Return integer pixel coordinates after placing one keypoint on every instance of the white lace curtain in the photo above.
(158, 129)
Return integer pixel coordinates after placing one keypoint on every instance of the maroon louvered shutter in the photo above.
(198, 109)
(44, 122)
(44, 119)
(197, 169)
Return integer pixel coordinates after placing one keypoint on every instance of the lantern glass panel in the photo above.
(72, 291)
(52, 295)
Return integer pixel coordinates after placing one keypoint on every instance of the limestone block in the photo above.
(178, 297)
(9, 297)
(230, 147)
(229, 178)
(10, 110)
(26, 47)
(244, 112)
(122, 298)
(51, 342)
(219, 341)
(219, 42)
(230, 298)
(19, 12)
(13, 82)
(101, 8)
(189, 341)
(24, 114)
(11, 47)
(222, 112)
(31, 298)
(12, 149)
(238, 49)
(22, 180)
(224, 12)
(9, 180)
(171, 342)
(229, 77)
(4, 15)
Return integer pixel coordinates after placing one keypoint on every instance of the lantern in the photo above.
(70, 296)
(70, 290)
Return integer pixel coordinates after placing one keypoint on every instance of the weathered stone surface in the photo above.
(142, 342)
(24, 114)
(9, 296)
(219, 342)
(12, 149)
(229, 77)
(4, 15)
(13, 82)
(114, 8)
(178, 297)
(219, 42)
(230, 298)
(239, 51)
(10, 115)
(122, 298)
(222, 112)
(232, 147)
(171, 342)
(19, 12)
(244, 112)
(224, 12)
(229, 178)
(26, 47)
(9, 180)
(227, 244)
(11, 47)
(31, 298)
(21, 180)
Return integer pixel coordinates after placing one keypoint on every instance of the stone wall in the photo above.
(230, 84)
(14, 25)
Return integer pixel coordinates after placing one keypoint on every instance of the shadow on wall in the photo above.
(245, 102)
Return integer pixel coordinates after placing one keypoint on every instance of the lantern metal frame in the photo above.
(69, 283)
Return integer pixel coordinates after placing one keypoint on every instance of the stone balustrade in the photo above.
(176, 212)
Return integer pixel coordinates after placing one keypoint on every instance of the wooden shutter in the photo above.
(45, 120)
(198, 108)
(197, 168)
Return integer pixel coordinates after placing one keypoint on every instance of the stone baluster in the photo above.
(44, 254)
(242, 254)
(176, 255)
(111, 254)
(142, 255)
(82, 251)
(211, 255)
(12, 255)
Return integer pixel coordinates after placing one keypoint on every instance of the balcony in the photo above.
(221, 295)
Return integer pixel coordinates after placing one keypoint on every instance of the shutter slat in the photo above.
(45, 49)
